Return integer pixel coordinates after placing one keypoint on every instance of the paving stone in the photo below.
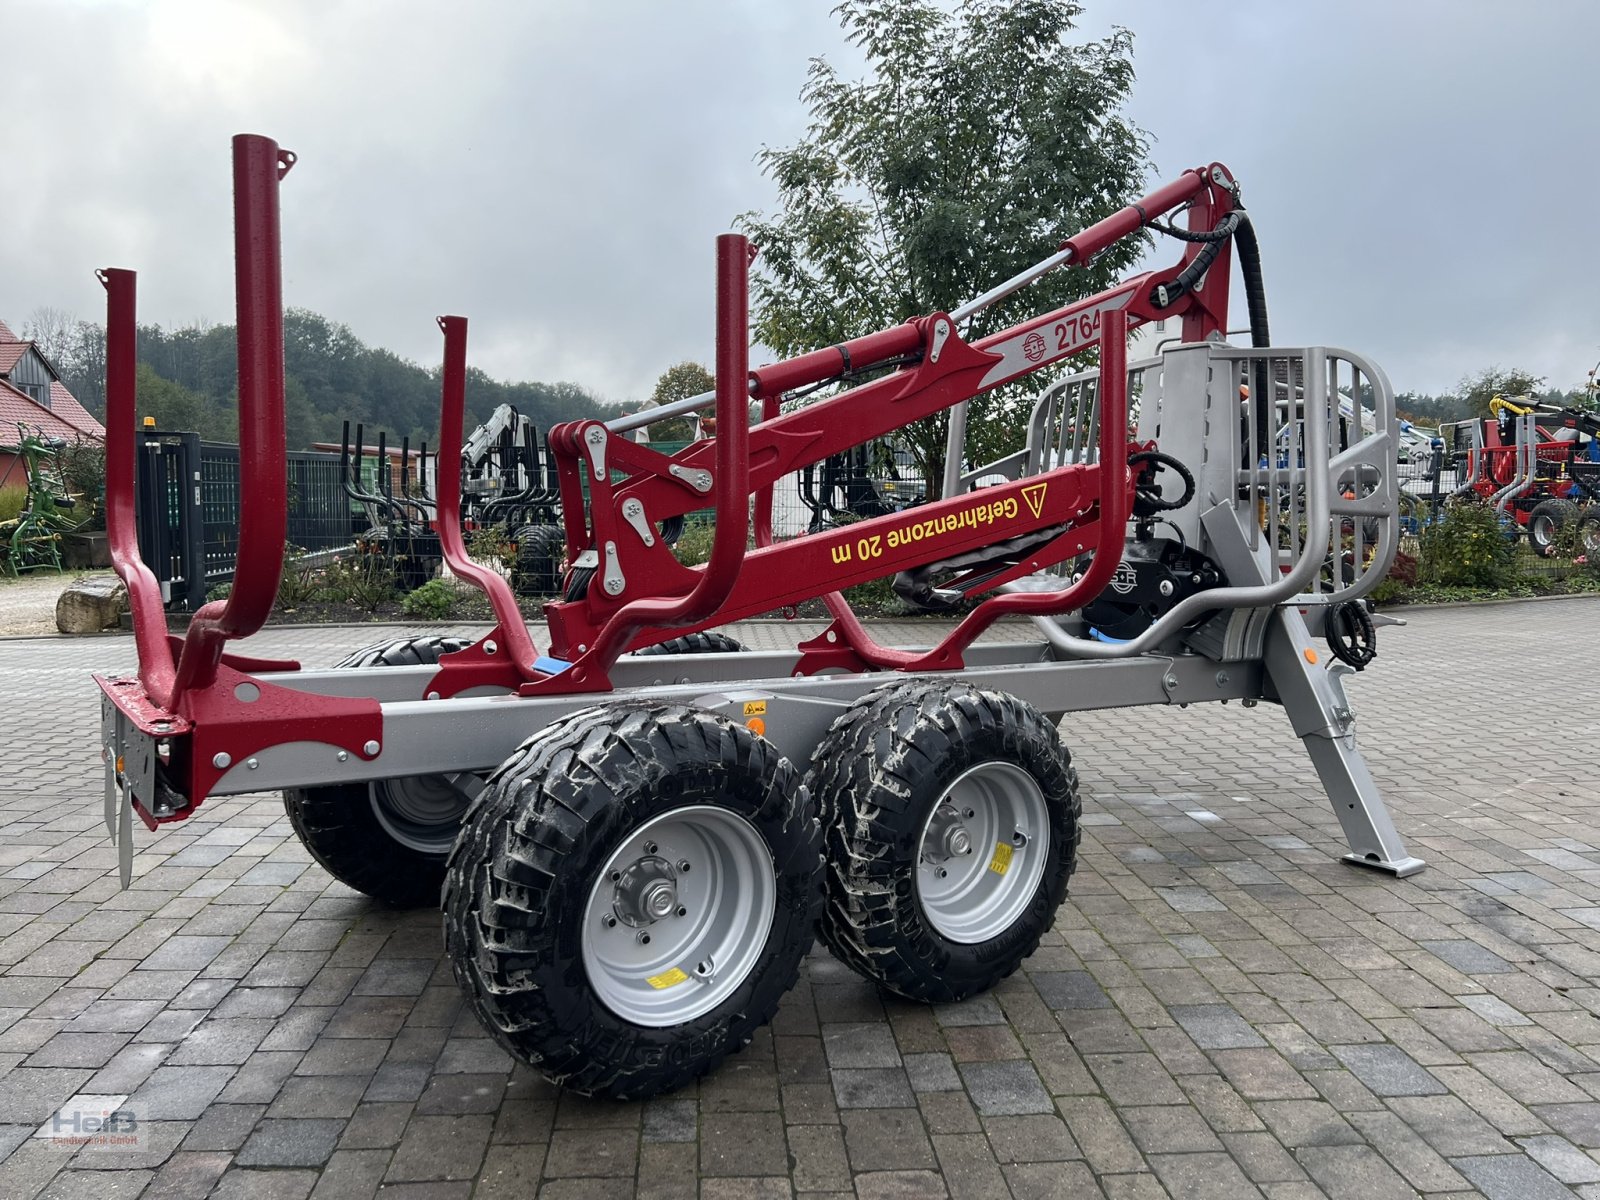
(819, 1159)
(669, 1120)
(1468, 957)
(290, 1143)
(741, 1144)
(932, 1073)
(1030, 1139)
(1215, 1026)
(1169, 1129)
(1511, 1177)
(872, 1088)
(1203, 1177)
(224, 1127)
(1561, 1158)
(1388, 1071)
(886, 1140)
(1578, 1123)
(1353, 1173)
(1006, 1088)
(1069, 989)
(179, 1093)
(452, 1147)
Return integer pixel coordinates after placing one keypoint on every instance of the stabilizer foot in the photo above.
(1399, 868)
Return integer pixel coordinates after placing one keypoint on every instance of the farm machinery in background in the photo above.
(507, 487)
(1539, 466)
(634, 850)
(31, 540)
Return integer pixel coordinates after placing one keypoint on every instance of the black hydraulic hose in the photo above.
(1255, 298)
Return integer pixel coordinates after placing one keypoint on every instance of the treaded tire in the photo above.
(406, 652)
(704, 642)
(518, 884)
(877, 776)
(536, 570)
(1589, 532)
(338, 824)
(1545, 520)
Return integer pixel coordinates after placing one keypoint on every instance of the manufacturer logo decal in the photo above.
(1124, 581)
(1033, 347)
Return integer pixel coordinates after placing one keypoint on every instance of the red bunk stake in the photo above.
(258, 166)
(156, 670)
(506, 657)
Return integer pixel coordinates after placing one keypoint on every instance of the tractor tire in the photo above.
(1545, 522)
(536, 570)
(950, 815)
(632, 895)
(386, 838)
(705, 642)
(1589, 533)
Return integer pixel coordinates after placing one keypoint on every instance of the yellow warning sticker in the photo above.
(673, 977)
(755, 708)
(1001, 862)
(1034, 495)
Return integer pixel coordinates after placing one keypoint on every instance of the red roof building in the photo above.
(32, 394)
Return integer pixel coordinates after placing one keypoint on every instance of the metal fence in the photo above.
(188, 511)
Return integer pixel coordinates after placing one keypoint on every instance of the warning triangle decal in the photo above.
(1034, 495)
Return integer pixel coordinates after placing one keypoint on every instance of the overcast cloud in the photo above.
(1423, 175)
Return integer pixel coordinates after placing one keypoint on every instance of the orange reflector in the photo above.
(119, 764)
(757, 726)
(1311, 656)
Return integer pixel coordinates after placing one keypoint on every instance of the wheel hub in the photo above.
(678, 916)
(983, 852)
(947, 836)
(645, 892)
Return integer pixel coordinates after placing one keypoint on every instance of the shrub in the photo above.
(83, 466)
(694, 544)
(12, 502)
(1467, 547)
(299, 583)
(491, 544)
(433, 601)
(364, 581)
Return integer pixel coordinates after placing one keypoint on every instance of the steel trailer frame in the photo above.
(1270, 510)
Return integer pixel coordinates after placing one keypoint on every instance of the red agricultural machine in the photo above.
(1539, 465)
(636, 842)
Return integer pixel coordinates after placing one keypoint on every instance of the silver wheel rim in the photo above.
(678, 916)
(423, 812)
(1544, 530)
(982, 852)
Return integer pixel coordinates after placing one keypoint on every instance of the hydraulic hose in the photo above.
(1255, 297)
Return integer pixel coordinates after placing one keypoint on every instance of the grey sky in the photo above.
(1422, 174)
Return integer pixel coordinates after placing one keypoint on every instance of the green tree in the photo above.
(679, 383)
(1477, 390)
(976, 140)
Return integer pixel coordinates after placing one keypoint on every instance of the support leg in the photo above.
(1313, 697)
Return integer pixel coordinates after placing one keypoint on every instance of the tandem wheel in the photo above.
(632, 895)
(950, 815)
(387, 838)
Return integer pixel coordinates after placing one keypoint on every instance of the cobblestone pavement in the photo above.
(1222, 1010)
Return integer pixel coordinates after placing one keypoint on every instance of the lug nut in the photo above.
(649, 847)
(683, 866)
(682, 912)
(644, 939)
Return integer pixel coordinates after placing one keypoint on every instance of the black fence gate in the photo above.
(187, 504)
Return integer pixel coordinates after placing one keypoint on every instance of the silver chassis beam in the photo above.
(478, 732)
